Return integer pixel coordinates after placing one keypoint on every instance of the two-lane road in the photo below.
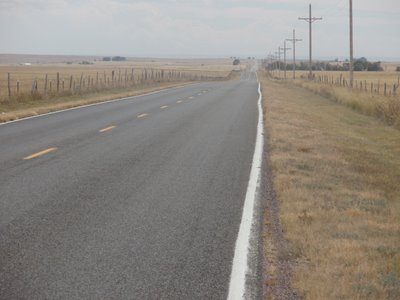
(134, 199)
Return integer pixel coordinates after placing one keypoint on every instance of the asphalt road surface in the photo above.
(133, 199)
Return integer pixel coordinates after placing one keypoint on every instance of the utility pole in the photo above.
(270, 63)
(275, 57)
(351, 45)
(294, 41)
(310, 20)
(279, 52)
(284, 56)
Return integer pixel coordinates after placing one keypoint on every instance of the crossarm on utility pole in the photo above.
(284, 56)
(310, 20)
(294, 41)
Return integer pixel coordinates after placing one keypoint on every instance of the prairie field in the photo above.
(336, 174)
(27, 90)
(22, 77)
(374, 93)
(390, 76)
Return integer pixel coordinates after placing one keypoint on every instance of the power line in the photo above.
(310, 20)
(279, 52)
(294, 41)
(333, 8)
(284, 56)
(351, 43)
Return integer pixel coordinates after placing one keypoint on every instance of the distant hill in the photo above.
(44, 59)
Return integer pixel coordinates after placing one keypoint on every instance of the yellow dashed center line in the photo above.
(191, 97)
(164, 107)
(179, 101)
(40, 153)
(142, 116)
(107, 129)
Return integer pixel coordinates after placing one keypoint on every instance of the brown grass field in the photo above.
(366, 98)
(94, 82)
(388, 75)
(24, 75)
(336, 175)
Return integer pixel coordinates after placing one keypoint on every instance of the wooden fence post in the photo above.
(70, 83)
(34, 87)
(58, 82)
(45, 84)
(97, 80)
(80, 82)
(384, 89)
(126, 76)
(9, 84)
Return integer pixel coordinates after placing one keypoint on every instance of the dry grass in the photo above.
(103, 71)
(16, 110)
(390, 76)
(336, 174)
(27, 104)
(386, 108)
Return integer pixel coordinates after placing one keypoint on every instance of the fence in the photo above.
(19, 85)
(379, 88)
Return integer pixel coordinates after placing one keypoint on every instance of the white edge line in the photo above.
(237, 285)
(98, 103)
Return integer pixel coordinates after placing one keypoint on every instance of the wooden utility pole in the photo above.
(284, 56)
(310, 20)
(278, 53)
(294, 41)
(351, 45)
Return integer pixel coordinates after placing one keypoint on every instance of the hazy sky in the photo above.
(173, 28)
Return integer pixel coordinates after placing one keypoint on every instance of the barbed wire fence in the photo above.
(377, 87)
(18, 86)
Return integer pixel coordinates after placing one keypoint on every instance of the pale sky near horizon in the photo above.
(196, 28)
